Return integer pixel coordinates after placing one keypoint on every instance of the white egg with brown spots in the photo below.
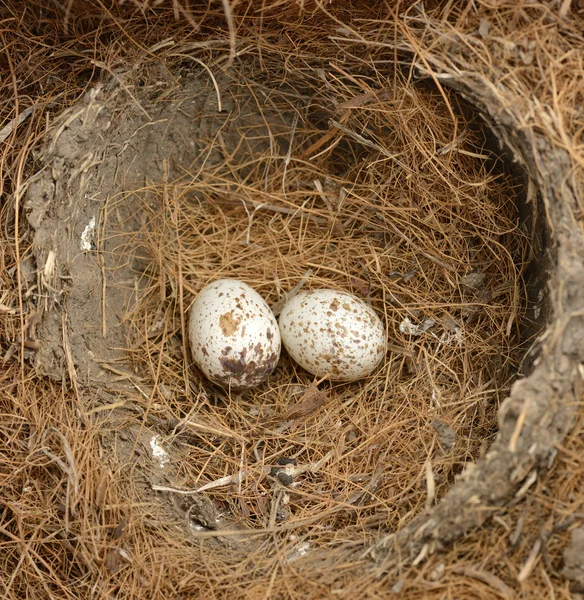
(234, 335)
(334, 333)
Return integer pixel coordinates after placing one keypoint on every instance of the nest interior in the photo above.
(276, 174)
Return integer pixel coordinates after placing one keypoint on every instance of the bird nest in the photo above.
(338, 162)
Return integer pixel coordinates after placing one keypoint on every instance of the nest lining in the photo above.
(366, 184)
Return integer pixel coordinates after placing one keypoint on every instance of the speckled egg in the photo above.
(335, 333)
(234, 336)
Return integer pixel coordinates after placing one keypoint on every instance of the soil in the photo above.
(88, 267)
(573, 560)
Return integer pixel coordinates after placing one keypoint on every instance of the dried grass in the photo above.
(75, 520)
(400, 233)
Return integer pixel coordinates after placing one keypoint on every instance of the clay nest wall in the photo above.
(149, 149)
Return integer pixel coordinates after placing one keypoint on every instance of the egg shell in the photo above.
(234, 335)
(334, 333)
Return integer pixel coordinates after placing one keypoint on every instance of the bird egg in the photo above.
(234, 335)
(334, 333)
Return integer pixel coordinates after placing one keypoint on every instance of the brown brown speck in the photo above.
(259, 349)
(229, 323)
